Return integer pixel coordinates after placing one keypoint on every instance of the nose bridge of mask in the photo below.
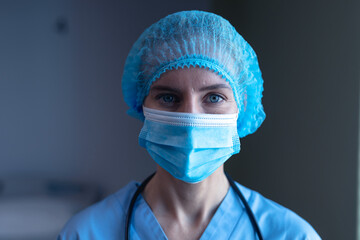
(198, 130)
(191, 119)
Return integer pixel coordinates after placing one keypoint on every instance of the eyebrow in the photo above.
(215, 86)
(164, 88)
(176, 90)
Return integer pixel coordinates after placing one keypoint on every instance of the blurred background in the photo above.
(66, 141)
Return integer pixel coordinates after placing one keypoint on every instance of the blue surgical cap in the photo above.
(198, 39)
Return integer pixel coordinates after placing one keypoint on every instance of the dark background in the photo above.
(305, 155)
(62, 115)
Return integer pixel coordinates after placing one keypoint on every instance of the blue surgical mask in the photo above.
(189, 146)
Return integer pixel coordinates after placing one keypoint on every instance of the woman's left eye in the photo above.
(215, 98)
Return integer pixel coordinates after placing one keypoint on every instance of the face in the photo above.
(191, 90)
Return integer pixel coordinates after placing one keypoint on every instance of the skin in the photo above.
(184, 210)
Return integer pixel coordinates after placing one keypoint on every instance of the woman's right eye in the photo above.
(167, 98)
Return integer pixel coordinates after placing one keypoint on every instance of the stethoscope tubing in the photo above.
(232, 184)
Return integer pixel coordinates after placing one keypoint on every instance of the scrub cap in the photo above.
(198, 39)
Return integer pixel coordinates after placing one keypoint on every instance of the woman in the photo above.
(197, 85)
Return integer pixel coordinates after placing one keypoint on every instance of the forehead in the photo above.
(193, 77)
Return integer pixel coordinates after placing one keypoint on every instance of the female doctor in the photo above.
(196, 84)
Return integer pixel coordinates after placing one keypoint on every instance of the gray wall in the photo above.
(61, 110)
(305, 154)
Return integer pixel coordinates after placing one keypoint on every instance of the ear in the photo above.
(245, 100)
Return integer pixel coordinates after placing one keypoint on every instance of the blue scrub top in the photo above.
(106, 219)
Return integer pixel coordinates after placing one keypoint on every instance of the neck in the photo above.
(185, 202)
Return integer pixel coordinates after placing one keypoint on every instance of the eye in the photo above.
(167, 98)
(215, 98)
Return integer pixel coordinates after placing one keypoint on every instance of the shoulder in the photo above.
(102, 220)
(276, 221)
